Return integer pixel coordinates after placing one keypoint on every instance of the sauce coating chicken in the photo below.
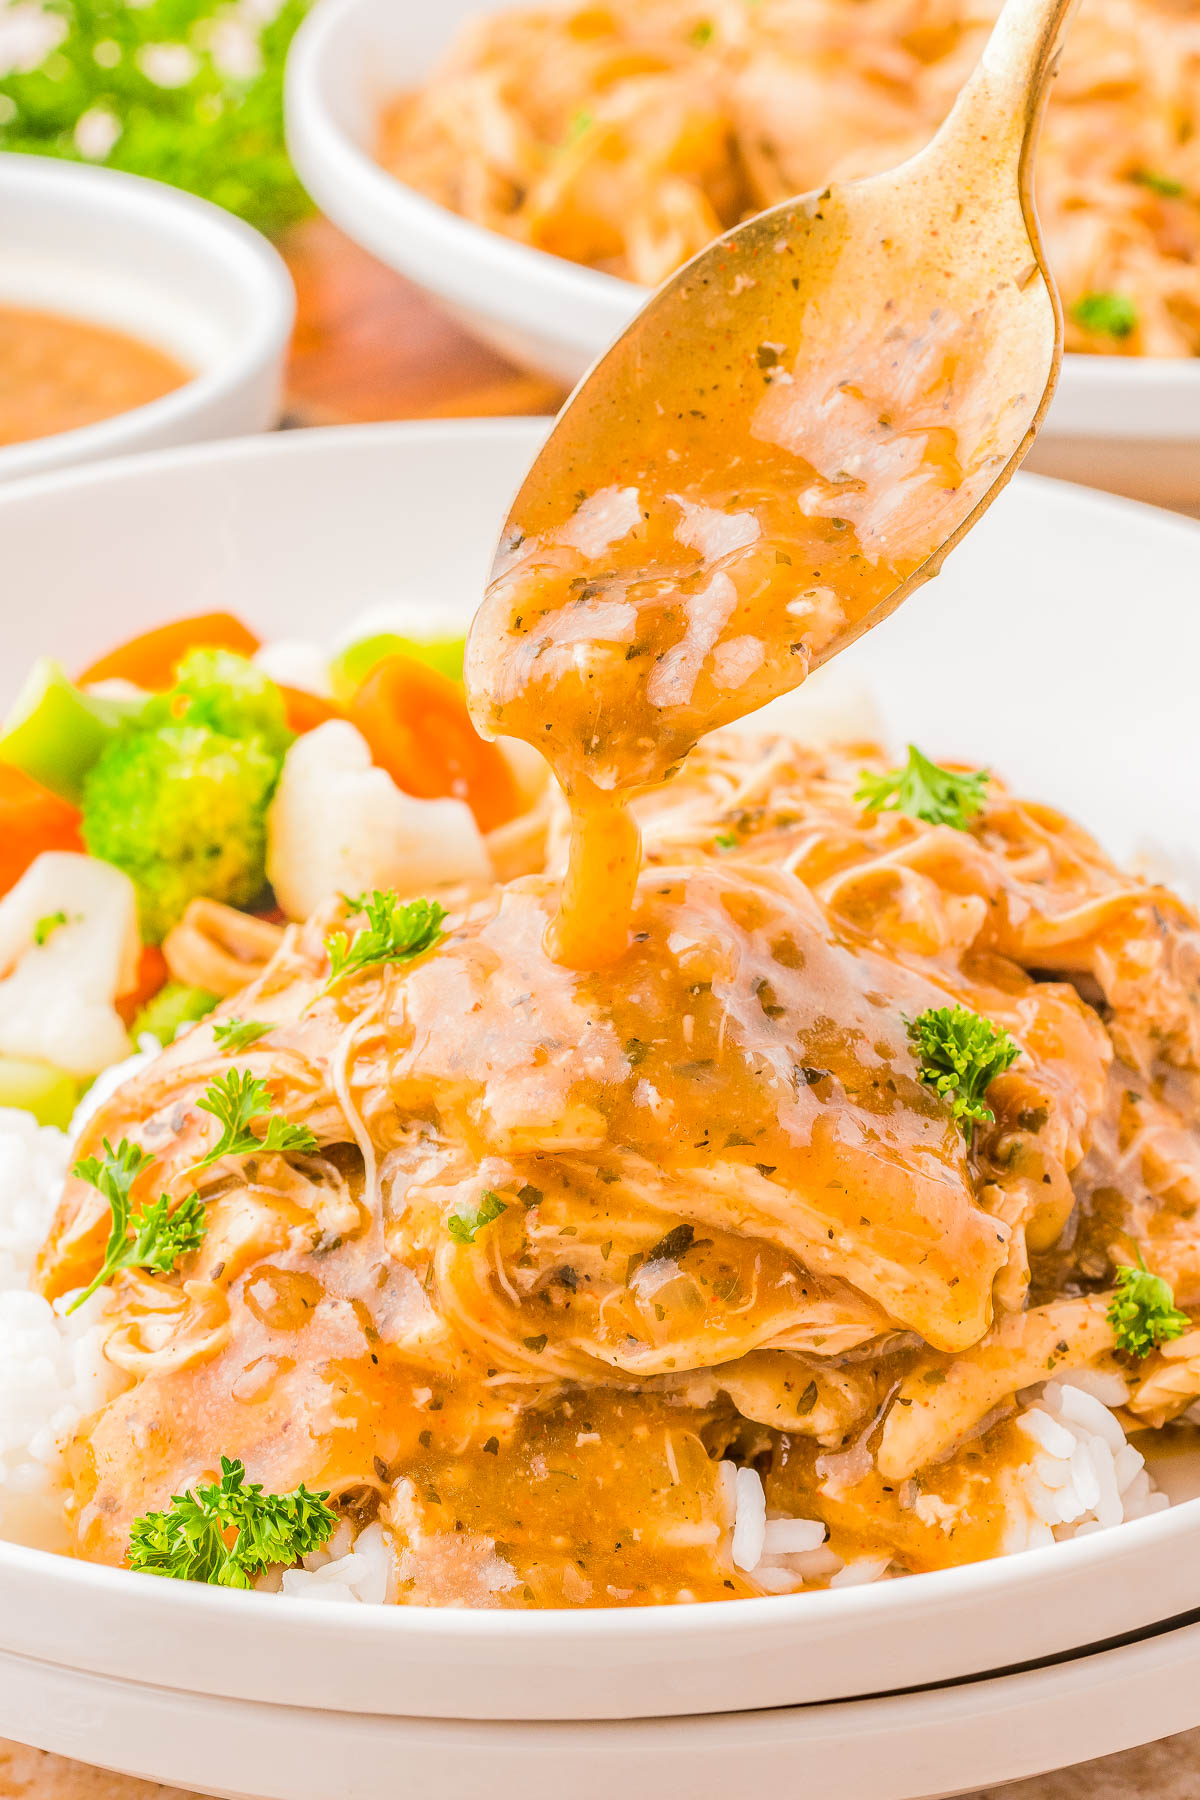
(726, 1220)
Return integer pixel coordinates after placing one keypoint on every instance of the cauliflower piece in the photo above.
(338, 825)
(56, 997)
(295, 663)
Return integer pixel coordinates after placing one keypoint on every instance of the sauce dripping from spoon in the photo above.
(783, 445)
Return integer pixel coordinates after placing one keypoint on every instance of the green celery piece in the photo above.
(350, 667)
(50, 1094)
(54, 732)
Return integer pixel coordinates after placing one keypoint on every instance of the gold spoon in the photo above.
(785, 442)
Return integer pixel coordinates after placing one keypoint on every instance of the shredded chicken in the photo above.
(726, 1216)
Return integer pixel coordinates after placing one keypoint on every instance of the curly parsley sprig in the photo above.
(237, 1034)
(395, 931)
(238, 1101)
(961, 1053)
(925, 790)
(153, 1238)
(191, 1540)
(1143, 1313)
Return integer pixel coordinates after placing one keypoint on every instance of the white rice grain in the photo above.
(786, 1537)
(52, 1369)
(750, 1522)
(1085, 1476)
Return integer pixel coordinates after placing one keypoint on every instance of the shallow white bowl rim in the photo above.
(1110, 1558)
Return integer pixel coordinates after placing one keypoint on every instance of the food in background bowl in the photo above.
(58, 373)
(627, 136)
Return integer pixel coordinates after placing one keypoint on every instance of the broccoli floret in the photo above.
(182, 809)
(172, 1007)
(227, 693)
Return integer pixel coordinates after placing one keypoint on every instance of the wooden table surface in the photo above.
(370, 346)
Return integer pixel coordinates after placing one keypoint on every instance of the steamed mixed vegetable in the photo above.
(165, 810)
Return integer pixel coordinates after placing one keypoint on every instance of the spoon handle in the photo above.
(1001, 103)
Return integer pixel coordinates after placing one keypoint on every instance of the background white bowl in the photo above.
(1044, 650)
(1129, 425)
(163, 266)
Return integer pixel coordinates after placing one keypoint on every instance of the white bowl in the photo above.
(1059, 646)
(1131, 425)
(915, 1746)
(163, 266)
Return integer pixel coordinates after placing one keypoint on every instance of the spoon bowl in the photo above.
(784, 443)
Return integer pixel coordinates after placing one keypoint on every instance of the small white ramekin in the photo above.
(164, 266)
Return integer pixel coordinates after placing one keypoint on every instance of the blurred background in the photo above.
(190, 92)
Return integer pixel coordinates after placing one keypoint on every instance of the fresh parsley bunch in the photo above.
(229, 1531)
(146, 88)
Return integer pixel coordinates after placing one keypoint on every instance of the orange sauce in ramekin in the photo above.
(58, 373)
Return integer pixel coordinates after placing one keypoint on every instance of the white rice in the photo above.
(1082, 1476)
(363, 1572)
(52, 1368)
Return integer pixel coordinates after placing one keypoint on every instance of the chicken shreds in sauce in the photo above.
(728, 1222)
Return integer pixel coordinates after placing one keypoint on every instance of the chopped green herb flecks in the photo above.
(237, 1034)
(45, 928)
(1108, 315)
(1143, 1313)
(925, 790)
(961, 1053)
(229, 1531)
(1164, 185)
(464, 1227)
(238, 1101)
(154, 1238)
(677, 1242)
(396, 930)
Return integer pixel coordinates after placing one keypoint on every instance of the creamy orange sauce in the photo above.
(59, 373)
